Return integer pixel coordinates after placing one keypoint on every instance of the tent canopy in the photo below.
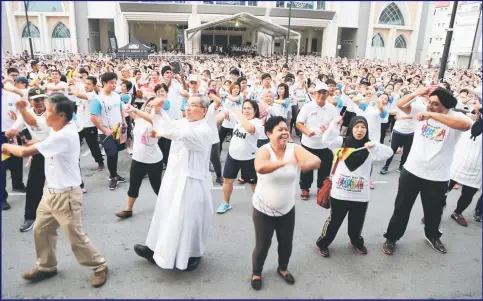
(248, 21)
(134, 49)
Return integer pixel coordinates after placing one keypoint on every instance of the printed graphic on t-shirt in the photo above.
(146, 138)
(432, 132)
(239, 134)
(350, 183)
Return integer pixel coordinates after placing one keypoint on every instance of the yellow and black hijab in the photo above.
(354, 159)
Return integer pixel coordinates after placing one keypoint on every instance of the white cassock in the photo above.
(182, 217)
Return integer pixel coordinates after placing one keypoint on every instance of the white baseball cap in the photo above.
(193, 78)
(320, 86)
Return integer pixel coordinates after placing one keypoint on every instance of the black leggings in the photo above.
(326, 156)
(466, 196)
(398, 140)
(35, 186)
(165, 145)
(338, 211)
(265, 225)
(223, 133)
(295, 112)
(137, 173)
(215, 159)
(386, 126)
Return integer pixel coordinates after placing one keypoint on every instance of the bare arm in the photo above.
(404, 103)
(305, 159)
(454, 122)
(249, 127)
(263, 164)
(19, 150)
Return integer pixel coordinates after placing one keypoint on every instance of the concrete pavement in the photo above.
(414, 271)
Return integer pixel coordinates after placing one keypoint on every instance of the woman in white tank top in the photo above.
(277, 164)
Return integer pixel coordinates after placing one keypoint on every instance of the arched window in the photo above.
(61, 31)
(45, 6)
(377, 41)
(34, 31)
(391, 15)
(400, 42)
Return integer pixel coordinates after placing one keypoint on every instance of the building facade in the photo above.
(466, 31)
(393, 31)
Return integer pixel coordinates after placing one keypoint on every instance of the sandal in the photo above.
(256, 283)
(124, 214)
(288, 277)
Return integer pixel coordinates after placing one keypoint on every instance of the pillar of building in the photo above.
(310, 36)
(120, 27)
(389, 45)
(329, 40)
(45, 38)
(15, 35)
(72, 27)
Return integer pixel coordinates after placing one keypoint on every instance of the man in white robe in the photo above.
(182, 217)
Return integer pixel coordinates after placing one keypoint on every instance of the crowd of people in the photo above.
(173, 117)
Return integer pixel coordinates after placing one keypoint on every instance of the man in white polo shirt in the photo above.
(313, 119)
(62, 199)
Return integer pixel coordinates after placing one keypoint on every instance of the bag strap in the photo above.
(337, 162)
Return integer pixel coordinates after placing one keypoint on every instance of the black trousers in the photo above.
(264, 227)
(91, 136)
(223, 133)
(295, 113)
(338, 211)
(326, 156)
(137, 173)
(111, 148)
(386, 126)
(165, 146)
(398, 140)
(215, 159)
(478, 206)
(15, 165)
(467, 194)
(35, 186)
(433, 197)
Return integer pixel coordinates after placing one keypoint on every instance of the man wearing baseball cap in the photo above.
(33, 119)
(313, 119)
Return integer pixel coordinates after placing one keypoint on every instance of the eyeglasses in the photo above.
(193, 105)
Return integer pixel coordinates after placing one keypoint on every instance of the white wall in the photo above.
(101, 10)
(347, 14)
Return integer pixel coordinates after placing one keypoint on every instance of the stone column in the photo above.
(310, 36)
(329, 40)
(46, 45)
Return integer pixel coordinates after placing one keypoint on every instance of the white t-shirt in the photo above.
(83, 109)
(231, 106)
(9, 100)
(406, 126)
(466, 167)
(243, 145)
(145, 148)
(61, 151)
(108, 108)
(314, 117)
(40, 132)
(174, 91)
(433, 147)
(210, 118)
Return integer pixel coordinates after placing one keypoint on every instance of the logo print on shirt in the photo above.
(351, 184)
(432, 132)
(239, 134)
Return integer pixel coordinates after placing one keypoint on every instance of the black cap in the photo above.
(36, 93)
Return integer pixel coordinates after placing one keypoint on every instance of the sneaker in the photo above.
(324, 252)
(477, 216)
(384, 170)
(35, 275)
(224, 207)
(220, 181)
(99, 278)
(112, 184)
(459, 218)
(399, 169)
(21, 189)
(5, 205)
(100, 167)
(371, 185)
(27, 225)
(388, 247)
(361, 249)
(119, 179)
(437, 245)
(305, 194)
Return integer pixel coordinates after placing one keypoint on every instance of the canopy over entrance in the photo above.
(248, 21)
(135, 49)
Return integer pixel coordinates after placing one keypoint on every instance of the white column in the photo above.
(310, 36)
(131, 32)
(73, 30)
(193, 46)
(254, 39)
(120, 27)
(389, 44)
(284, 46)
(412, 43)
(329, 40)
(370, 30)
(46, 39)
(15, 35)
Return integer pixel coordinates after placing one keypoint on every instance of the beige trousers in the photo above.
(64, 210)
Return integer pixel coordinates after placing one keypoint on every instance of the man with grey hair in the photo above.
(182, 217)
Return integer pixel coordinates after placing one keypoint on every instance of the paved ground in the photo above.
(415, 271)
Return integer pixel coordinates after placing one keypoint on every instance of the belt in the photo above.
(57, 191)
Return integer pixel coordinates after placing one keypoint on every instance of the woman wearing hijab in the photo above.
(350, 191)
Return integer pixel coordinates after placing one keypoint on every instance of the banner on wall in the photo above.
(112, 41)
